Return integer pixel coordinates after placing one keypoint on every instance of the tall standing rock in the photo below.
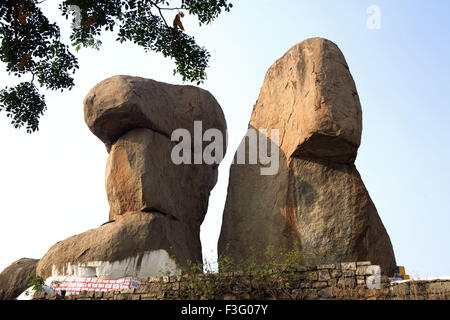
(156, 206)
(317, 200)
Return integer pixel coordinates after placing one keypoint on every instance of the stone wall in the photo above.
(359, 280)
(421, 290)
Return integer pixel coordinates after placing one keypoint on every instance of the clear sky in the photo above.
(52, 182)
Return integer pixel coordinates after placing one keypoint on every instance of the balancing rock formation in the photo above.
(317, 200)
(156, 207)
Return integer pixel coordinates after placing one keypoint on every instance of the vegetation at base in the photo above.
(35, 282)
(269, 269)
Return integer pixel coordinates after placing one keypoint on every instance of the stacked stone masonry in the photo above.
(326, 282)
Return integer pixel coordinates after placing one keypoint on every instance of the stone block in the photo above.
(148, 296)
(335, 274)
(133, 290)
(360, 282)
(332, 282)
(324, 275)
(154, 279)
(362, 271)
(347, 283)
(39, 295)
(143, 288)
(312, 276)
(297, 294)
(311, 294)
(176, 286)
(326, 293)
(326, 266)
(305, 285)
(439, 287)
(319, 284)
(348, 273)
(348, 266)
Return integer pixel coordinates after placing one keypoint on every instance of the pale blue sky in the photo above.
(52, 182)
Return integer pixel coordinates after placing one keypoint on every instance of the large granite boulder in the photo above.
(317, 200)
(139, 245)
(15, 278)
(156, 204)
(122, 103)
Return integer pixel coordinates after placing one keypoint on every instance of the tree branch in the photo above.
(160, 12)
(161, 9)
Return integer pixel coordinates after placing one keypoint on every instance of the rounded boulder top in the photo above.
(309, 95)
(122, 103)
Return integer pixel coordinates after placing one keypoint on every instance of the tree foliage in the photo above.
(31, 45)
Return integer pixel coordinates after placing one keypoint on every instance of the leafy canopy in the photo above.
(30, 45)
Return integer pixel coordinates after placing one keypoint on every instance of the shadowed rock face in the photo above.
(156, 207)
(140, 176)
(15, 278)
(317, 200)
